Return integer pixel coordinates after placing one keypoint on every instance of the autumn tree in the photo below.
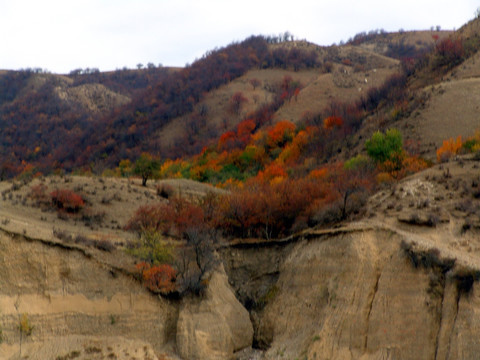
(354, 177)
(449, 148)
(158, 278)
(125, 167)
(146, 166)
(332, 121)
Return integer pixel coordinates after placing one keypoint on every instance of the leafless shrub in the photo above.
(106, 200)
(430, 220)
(62, 235)
(104, 245)
(465, 206)
(328, 214)
(446, 173)
(165, 191)
(424, 203)
(62, 215)
(427, 259)
(467, 225)
(195, 261)
(78, 188)
(83, 240)
(91, 217)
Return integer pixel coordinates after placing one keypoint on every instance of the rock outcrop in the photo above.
(213, 327)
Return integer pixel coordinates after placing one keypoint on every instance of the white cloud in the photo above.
(62, 35)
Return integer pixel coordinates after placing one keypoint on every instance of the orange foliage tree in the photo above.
(449, 148)
(272, 172)
(332, 121)
(281, 133)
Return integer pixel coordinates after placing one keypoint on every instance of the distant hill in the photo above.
(92, 120)
(399, 45)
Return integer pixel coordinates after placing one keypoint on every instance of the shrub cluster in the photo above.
(192, 259)
(67, 200)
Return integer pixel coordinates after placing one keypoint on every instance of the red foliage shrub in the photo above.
(332, 121)
(67, 200)
(185, 215)
(158, 278)
(174, 218)
(227, 141)
(246, 127)
(449, 51)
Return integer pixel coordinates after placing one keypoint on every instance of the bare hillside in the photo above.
(449, 108)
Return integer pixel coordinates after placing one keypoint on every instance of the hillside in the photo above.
(402, 44)
(107, 117)
(43, 117)
(449, 98)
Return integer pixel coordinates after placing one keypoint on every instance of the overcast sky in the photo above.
(61, 35)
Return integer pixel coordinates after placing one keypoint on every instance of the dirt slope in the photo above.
(450, 106)
(451, 110)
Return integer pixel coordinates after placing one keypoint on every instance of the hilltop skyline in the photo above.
(61, 36)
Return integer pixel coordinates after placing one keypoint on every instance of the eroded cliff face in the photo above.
(359, 292)
(59, 302)
(368, 294)
(63, 293)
